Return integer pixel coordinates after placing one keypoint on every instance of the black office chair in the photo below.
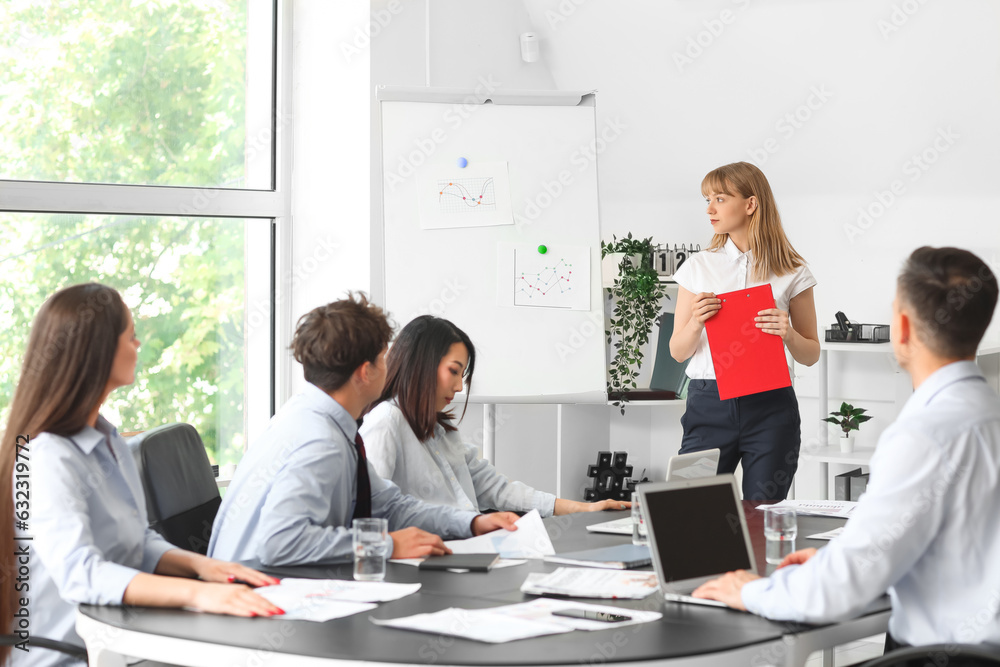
(939, 655)
(182, 497)
(71, 650)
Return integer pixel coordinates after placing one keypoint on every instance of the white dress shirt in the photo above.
(927, 530)
(443, 470)
(292, 499)
(91, 534)
(727, 270)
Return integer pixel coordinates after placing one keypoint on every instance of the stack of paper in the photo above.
(324, 599)
(840, 509)
(511, 622)
(473, 624)
(583, 582)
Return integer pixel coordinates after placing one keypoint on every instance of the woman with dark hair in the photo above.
(89, 537)
(411, 440)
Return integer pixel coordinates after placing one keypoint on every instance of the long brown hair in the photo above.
(412, 372)
(772, 251)
(65, 370)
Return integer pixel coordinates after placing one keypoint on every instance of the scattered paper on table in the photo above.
(511, 622)
(828, 535)
(478, 625)
(540, 611)
(304, 608)
(585, 582)
(324, 599)
(476, 196)
(840, 509)
(346, 589)
(530, 540)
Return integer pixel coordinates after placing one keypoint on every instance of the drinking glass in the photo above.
(781, 527)
(371, 542)
(639, 534)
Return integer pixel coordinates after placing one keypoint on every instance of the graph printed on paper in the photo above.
(542, 281)
(467, 195)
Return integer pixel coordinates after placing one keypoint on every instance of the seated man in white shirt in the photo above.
(928, 528)
(302, 482)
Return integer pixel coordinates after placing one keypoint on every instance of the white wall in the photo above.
(331, 156)
(884, 85)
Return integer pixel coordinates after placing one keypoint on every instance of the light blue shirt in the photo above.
(91, 534)
(442, 470)
(927, 530)
(292, 498)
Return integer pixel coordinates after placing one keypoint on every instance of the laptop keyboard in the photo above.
(617, 527)
(677, 597)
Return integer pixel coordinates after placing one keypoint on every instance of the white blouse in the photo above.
(727, 270)
(443, 470)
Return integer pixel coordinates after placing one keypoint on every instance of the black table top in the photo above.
(684, 629)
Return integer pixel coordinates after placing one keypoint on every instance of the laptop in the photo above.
(682, 466)
(697, 532)
(694, 465)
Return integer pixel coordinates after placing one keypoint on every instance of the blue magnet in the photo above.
(462, 162)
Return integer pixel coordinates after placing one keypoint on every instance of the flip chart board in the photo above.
(443, 232)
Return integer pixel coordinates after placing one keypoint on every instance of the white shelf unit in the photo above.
(884, 349)
(826, 453)
(988, 358)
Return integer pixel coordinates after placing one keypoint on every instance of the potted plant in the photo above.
(848, 418)
(636, 291)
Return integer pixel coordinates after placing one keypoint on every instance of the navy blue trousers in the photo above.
(763, 431)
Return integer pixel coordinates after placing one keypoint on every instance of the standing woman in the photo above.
(86, 509)
(411, 440)
(749, 249)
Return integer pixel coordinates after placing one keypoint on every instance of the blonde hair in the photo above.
(772, 251)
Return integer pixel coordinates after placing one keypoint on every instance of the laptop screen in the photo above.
(698, 531)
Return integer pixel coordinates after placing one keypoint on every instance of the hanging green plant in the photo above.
(637, 292)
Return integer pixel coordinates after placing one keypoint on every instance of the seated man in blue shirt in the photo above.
(299, 486)
(928, 528)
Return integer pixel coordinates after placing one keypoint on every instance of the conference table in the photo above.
(687, 635)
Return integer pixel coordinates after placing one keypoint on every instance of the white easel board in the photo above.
(451, 239)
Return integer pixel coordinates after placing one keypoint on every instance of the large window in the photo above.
(131, 96)
(115, 91)
(186, 281)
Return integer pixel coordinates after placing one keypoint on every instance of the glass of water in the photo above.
(781, 527)
(639, 534)
(371, 544)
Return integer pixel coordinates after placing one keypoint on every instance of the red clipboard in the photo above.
(747, 360)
